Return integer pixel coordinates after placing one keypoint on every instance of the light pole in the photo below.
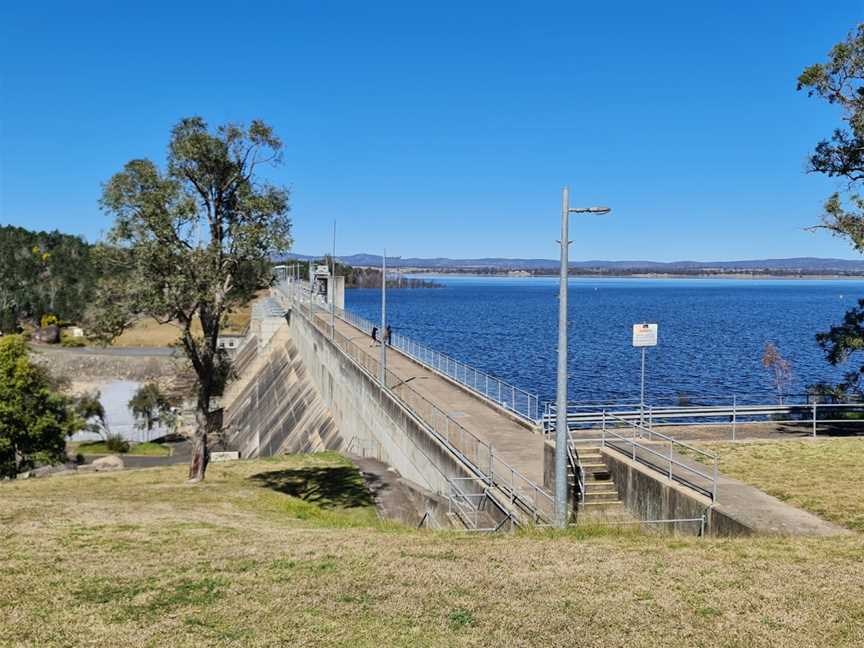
(331, 286)
(561, 435)
(383, 359)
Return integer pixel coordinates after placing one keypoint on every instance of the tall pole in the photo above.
(561, 400)
(642, 391)
(383, 360)
(331, 292)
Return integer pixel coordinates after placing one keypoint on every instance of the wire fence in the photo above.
(533, 500)
(500, 392)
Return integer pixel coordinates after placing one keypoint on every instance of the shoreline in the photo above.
(645, 275)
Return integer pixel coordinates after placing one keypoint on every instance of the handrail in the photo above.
(512, 398)
(520, 490)
(669, 458)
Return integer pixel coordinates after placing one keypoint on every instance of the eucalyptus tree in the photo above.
(840, 82)
(191, 242)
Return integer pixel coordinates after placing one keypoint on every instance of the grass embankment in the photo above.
(824, 476)
(148, 332)
(136, 449)
(289, 552)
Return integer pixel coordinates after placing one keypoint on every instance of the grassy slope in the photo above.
(150, 333)
(825, 476)
(140, 558)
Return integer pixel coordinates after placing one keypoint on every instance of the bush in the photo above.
(116, 443)
(69, 341)
(48, 320)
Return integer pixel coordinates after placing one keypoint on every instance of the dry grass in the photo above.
(824, 476)
(148, 332)
(142, 559)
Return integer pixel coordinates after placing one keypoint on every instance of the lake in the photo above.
(711, 331)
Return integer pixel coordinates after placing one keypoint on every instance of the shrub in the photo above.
(69, 341)
(48, 320)
(116, 443)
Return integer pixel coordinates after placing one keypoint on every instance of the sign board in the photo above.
(644, 335)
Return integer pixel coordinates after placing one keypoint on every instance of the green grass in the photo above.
(142, 449)
(824, 476)
(289, 551)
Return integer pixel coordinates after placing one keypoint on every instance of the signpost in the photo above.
(644, 336)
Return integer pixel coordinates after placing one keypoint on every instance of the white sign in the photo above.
(644, 335)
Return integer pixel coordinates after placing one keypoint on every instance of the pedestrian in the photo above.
(387, 333)
(374, 335)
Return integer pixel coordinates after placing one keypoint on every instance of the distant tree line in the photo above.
(43, 273)
(364, 277)
(627, 272)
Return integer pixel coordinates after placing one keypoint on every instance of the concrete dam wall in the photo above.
(273, 407)
(301, 393)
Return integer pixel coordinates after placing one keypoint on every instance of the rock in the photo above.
(111, 462)
(47, 334)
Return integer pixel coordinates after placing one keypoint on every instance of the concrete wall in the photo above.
(361, 410)
(649, 496)
(274, 408)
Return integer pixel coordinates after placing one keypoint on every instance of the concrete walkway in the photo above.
(512, 442)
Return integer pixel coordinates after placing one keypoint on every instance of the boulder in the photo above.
(47, 334)
(111, 462)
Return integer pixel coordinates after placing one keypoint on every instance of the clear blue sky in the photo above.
(441, 128)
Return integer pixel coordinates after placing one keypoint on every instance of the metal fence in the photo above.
(500, 392)
(660, 453)
(583, 415)
(533, 500)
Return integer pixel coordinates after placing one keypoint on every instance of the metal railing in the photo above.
(588, 416)
(658, 452)
(531, 499)
(500, 392)
(472, 506)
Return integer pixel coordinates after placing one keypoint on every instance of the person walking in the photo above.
(388, 332)
(374, 336)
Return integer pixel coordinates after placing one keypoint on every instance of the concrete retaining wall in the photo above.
(274, 408)
(361, 410)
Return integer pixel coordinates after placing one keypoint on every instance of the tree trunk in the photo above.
(200, 452)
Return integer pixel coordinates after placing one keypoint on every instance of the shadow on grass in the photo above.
(329, 487)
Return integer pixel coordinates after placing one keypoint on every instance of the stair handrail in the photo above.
(578, 470)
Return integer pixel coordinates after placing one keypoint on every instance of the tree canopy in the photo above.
(840, 81)
(43, 273)
(34, 419)
(192, 241)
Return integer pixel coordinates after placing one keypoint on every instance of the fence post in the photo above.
(714, 485)
(670, 461)
(633, 442)
(734, 414)
(814, 417)
(603, 431)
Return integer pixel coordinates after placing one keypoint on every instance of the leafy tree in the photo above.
(34, 420)
(151, 408)
(780, 368)
(190, 243)
(89, 407)
(41, 273)
(840, 82)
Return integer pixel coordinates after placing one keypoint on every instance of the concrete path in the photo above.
(512, 442)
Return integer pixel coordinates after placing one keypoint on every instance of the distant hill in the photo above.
(809, 265)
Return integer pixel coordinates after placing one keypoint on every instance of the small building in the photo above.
(230, 341)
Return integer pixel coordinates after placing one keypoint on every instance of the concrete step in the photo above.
(598, 498)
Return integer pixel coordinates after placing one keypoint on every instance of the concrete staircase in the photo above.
(601, 501)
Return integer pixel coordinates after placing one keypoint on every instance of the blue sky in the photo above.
(444, 129)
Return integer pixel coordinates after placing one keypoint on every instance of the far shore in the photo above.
(641, 275)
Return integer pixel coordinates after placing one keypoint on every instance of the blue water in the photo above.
(711, 331)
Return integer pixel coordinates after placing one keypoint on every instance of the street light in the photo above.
(561, 439)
